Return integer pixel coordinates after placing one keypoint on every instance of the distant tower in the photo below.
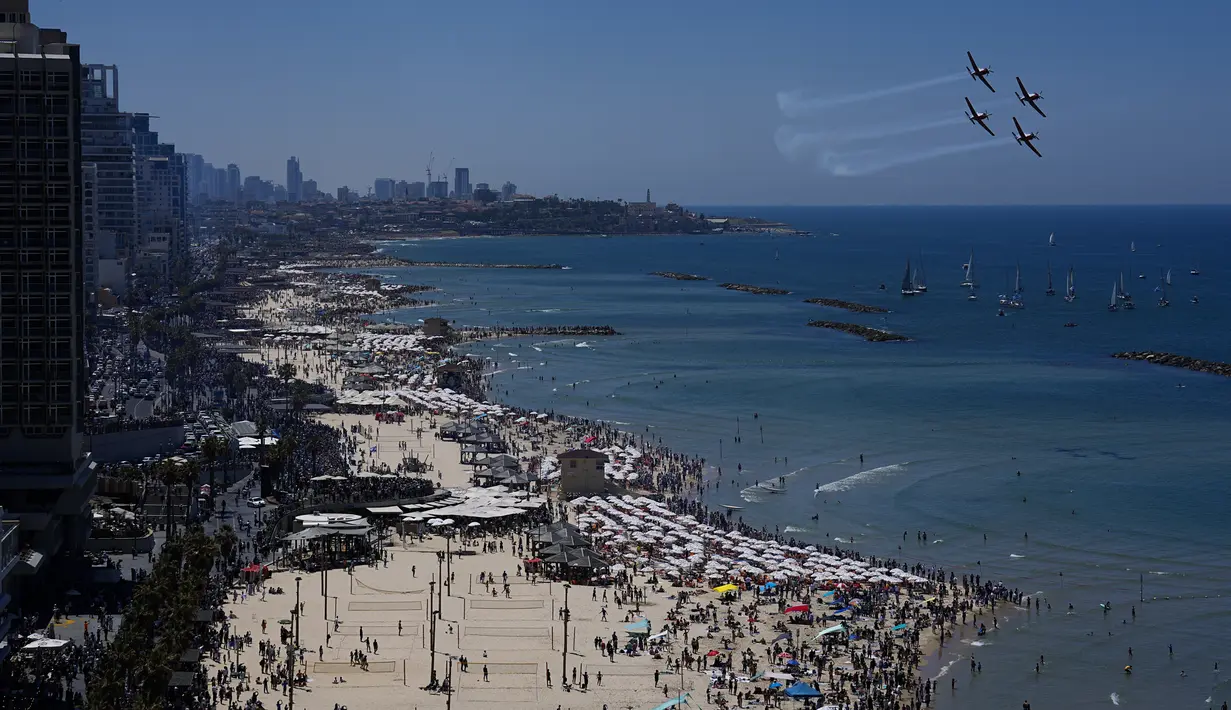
(647, 196)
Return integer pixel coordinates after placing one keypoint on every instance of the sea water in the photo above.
(1122, 491)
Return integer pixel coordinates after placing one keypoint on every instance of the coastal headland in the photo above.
(847, 305)
(1209, 367)
(679, 276)
(759, 290)
(467, 265)
(874, 335)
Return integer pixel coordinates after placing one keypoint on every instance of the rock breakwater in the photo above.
(760, 290)
(1209, 367)
(847, 305)
(514, 332)
(678, 276)
(874, 335)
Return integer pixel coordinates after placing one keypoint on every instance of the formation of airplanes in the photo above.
(979, 73)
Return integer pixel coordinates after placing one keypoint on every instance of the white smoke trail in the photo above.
(792, 142)
(842, 165)
(793, 104)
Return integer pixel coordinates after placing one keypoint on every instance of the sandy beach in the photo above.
(743, 646)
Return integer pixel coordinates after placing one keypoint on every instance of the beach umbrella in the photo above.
(723, 589)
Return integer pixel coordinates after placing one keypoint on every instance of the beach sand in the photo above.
(518, 638)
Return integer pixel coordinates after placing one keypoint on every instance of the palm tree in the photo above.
(211, 449)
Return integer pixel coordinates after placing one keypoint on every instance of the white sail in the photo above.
(1051, 239)
(1168, 279)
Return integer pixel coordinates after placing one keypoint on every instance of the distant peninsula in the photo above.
(678, 276)
(847, 305)
(874, 335)
(760, 290)
(1209, 367)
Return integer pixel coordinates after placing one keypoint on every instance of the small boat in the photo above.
(1050, 291)
(733, 507)
(908, 283)
(1070, 290)
(775, 255)
(1196, 300)
(1051, 239)
(1070, 324)
(1132, 246)
(1115, 297)
(921, 279)
(1000, 312)
(1162, 288)
(1122, 294)
(971, 296)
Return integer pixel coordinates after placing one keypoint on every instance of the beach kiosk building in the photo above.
(581, 472)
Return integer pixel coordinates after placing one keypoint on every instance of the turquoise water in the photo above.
(1123, 465)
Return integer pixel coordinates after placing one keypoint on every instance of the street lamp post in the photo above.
(564, 653)
(292, 644)
(431, 624)
(440, 573)
(448, 564)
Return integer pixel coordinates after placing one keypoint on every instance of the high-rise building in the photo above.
(310, 191)
(343, 194)
(46, 474)
(401, 190)
(416, 190)
(461, 183)
(438, 189)
(507, 191)
(196, 175)
(234, 183)
(158, 202)
(107, 141)
(384, 189)
(294, 180)
(162, 210)
(89, 232)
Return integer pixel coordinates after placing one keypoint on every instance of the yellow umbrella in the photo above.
(726, 588)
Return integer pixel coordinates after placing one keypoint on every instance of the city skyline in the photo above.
(558, 99)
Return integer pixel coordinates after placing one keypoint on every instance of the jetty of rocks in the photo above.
(875, 335)
(464, 265)
(678, 276)
(1172, 360)
(761, 290)
(847, 305)
(513, 332)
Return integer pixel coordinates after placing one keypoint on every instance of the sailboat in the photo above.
(969, 280)
(1014, 301)
(1050, 291)
(1167, 278)
(1051, 239)
(920, 282)
(1162, 299)
(1070, 289)
(1132, 246)
(1115, 295)
(908, 285)
(775, 255)
(971, 296)
(1125, 296)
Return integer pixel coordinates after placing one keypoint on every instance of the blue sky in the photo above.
(599, 98)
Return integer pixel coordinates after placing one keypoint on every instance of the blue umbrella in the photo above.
(802, 690)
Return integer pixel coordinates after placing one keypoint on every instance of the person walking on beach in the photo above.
(485, 673)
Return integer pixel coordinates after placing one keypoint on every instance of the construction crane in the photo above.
(431, 158)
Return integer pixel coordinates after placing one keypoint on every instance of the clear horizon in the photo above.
(699, 102)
